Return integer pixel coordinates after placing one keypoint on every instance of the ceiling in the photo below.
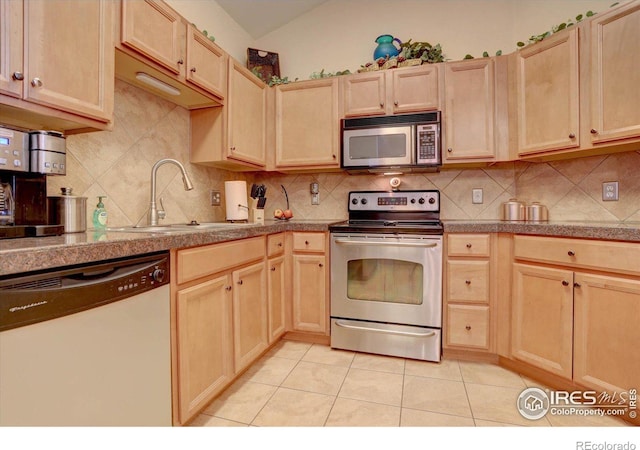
(259, 17)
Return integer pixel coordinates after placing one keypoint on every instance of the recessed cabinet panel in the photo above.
(206, 63)
(11, 64)
(416, 89)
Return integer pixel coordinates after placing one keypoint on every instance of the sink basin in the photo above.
(146, 229)
(177, 227)
(209, 225)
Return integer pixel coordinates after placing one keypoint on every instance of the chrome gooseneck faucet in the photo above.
(154, 214)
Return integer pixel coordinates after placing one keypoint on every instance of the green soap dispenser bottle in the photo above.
(100, 215)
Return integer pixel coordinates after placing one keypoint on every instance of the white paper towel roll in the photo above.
(235, 195)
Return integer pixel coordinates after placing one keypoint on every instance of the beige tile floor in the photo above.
(301, 384)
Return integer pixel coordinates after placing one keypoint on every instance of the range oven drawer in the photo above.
(386, 339)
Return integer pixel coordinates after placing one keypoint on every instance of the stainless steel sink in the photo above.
(146, 229)
(177, 227)
(209, 225)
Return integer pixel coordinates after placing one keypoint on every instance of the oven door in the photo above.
(387, 278)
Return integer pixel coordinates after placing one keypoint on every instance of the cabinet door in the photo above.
(547, 86)
(11, 65)
(69, 59)
(468, 281)
(247, 116)
(206, 63)
(606, 332)
(615, 71)
(415, 89)
(309, 299)
(205, 343)
(364, 94)
(542, 320)
(249, 314)
(470, 110)
(276, 283)
(152, 28)
(308, 124)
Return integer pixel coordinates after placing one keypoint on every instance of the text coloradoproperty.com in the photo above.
(589, 445)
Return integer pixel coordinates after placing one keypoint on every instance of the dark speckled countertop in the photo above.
(29, 254)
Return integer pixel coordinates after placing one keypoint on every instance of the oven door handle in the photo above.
(378, 330)
(386, 244)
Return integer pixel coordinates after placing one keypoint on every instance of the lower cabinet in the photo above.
(276, 299)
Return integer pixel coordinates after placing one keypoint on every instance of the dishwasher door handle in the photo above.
(386, 244)
(378, 330)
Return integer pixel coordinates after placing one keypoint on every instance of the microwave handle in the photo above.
(386, 244)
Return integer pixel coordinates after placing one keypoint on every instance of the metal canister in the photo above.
(68, 210)
(536, 212)
(513, 210)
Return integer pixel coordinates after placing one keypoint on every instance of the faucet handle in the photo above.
(161, 212)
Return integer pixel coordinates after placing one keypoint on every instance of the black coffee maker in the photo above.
(23, 193)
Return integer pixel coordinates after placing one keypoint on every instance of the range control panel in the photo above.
(400, 201)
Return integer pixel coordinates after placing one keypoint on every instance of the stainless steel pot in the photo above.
(536, 212)
(513, 210)
(68, 210)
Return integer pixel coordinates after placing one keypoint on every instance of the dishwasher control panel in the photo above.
(30, 298)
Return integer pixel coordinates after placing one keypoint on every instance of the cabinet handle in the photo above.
(381, 105)
(333, 156)
(576, 285)
(273, 269)
(572, 135)
(565, 283)
(469, 245)
(594, 131)
(395, 103)
(468, 327)
(17, 76)
(228, 288)
(571, 253)
(279, 244)
(36, 82)
(450, 150)
(240, 282)
(320, 265)
(193, 69)
(306, 242)
(181, 61)
(468, 282)
(233, 149)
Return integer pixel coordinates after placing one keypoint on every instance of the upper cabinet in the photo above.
(156, 40)
(394, 91)
(475, 110)
(547, 76)
(58, 73)
(307, 125)
(615, 75)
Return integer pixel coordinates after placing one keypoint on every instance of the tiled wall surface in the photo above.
(118, 164)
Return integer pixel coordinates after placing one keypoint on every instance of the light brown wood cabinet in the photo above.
(395, 91)
(277, 287)
(158, 41)
(307, 125)
(467, 292)
(571, 321)
(475, 94)
(310, 281)
(70, 89)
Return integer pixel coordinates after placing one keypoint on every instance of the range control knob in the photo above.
(354, 201)
(432, 200)
(413, 200)
(421, 201)
(363, 201)
(158, 275)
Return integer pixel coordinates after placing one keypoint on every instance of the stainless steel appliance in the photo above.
(386, 275)
(87, 345)
(48, 152)
(400, 143)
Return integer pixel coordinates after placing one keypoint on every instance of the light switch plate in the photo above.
(610, 191)
(476, 196)
(215, 198)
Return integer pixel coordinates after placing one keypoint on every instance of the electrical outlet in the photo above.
(215, 198)
(610, 191)
(314, 189)
(476, 196)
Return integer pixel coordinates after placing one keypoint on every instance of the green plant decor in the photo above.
(274, 80)
(559, 27)
(423, 50)
(323, 74)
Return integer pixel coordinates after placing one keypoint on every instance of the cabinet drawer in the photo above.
(468, 281)
(275, 244)
(198, 262)
(468, 244)
(468, 326)
(621, 257)
(308, 242)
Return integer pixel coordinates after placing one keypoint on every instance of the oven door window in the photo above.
(385, 280)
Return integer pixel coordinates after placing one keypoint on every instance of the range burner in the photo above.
(397, 212)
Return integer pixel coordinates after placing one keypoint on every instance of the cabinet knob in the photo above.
(468, 327)
(17, 76)
(273, 269)
(279, 244)
(381, 105)
(468, 282)
(306, 242)
(36, 82)
(320, 265)
(181, 61)
(571, 253)
(572, 135)
(333, 156)
(450, 150)
(469, 245)
(395, 103)
(193, 69)
(233, 149)
(565, 283)
(594, 131)
(576, 285)
(228, 288)
(240, 282)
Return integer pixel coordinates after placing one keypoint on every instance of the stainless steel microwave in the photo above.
(400, 143)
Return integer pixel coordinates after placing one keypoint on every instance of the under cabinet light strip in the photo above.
(154, 82)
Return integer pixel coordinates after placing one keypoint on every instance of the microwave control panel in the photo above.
(428, 144)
